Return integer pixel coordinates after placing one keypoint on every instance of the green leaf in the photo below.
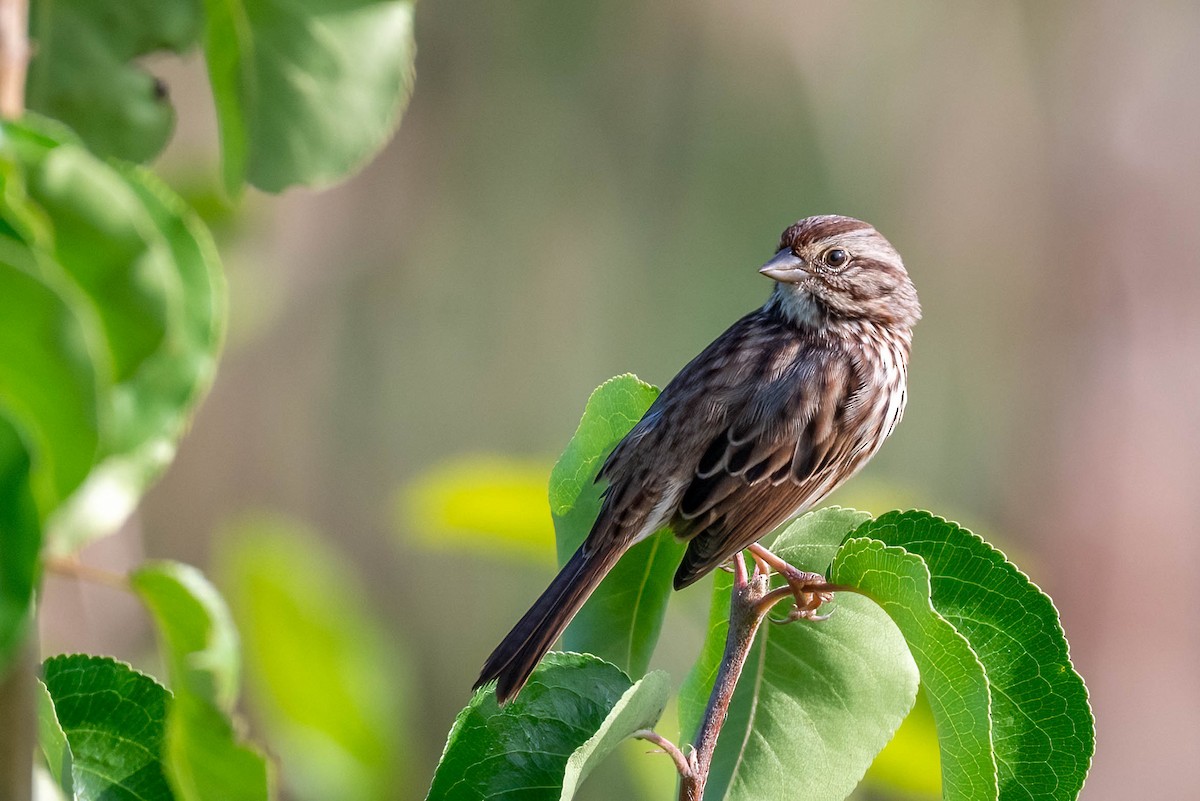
(125, 252)
(1043, 731)
(639, 708)
(48, 385)
(205, 761)
(815, 537)
(816, 701)
(20, 539)
(104, 239)
(199, 641)
(156, 404)
(910, 765)
(481, 504)
(622, 620)
(542, 744)
(50, 391)
(953, 677)
(83, 70)
(327, 680)
(306, 91)
(53, 740)
(113, 719)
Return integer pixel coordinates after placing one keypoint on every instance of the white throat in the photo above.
(797, 305)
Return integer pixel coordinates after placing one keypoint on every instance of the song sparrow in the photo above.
(769, 419)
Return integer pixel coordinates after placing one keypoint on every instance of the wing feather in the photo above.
(792, 460)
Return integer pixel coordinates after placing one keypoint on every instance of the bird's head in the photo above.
(839, 267)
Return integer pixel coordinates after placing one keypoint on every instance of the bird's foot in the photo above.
(808, 590)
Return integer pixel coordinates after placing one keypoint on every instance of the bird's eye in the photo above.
(835, 258)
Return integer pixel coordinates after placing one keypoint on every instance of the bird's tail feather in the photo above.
(518, 654)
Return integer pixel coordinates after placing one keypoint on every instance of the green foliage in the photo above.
(950, 670)
(83, 70)
(1041, 726)
(622, 619)
(48, 431)
(113, 718)
(306, 92)
(639, 708)
(816, 702)
(573, 711)
(127, 285)
(326, 678)
(53, 741)
(107, 731)
(48, 383)
(909, 764)
(200, 648)
(112, 314)
(815, 537)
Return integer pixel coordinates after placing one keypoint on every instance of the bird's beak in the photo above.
(784, 266)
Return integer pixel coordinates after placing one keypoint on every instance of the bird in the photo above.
(778, 412)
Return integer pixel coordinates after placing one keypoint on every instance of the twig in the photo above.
(14, 56)
(75, 569)
(668, 747)
(745, 615)
(17, 707)
(749, 603)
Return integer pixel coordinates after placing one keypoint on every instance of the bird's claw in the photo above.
(807, 601)
(809, 590)
(796, 613)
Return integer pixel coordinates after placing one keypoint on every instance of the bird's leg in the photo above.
(761, 566)
(740, 579)
(809, 590)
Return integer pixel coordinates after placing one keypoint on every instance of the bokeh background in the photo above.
(580, 190)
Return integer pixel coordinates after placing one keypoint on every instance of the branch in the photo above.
(71, 567)
(17, 710)
(749, 603)
(14, 56)
(668, 747)
(746, 613)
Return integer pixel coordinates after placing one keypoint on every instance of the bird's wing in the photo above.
(789, 445)
(656, 460)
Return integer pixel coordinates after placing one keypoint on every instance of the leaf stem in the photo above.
(668, 747)
(14, 56)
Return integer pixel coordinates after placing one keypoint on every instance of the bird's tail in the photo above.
(520, 651)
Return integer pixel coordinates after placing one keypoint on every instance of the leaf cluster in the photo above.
(934, 606)
(112, 317)
(305, 93)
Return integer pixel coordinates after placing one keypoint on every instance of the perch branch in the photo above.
(745, 616)
(750, 601)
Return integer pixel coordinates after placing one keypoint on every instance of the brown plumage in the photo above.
(768, 420)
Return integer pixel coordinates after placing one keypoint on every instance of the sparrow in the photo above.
(778, 412)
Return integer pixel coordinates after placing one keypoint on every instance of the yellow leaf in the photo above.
(481, 504)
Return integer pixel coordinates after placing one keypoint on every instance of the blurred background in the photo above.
(582, 190)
